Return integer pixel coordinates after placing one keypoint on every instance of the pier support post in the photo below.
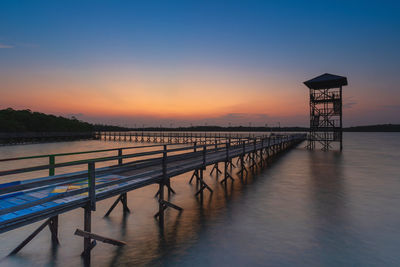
(227, 175)
(168, 185)
(163, 204)
(203, 185)
(88, 243)
(267, 149)
(201, 182)
(87, 226)
(242, 162)
(229, 161)
(261, 151)
(53, 226)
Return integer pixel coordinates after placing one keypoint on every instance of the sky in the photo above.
(181, 63)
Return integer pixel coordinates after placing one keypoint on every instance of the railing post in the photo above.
(161, 189)
(120, 156)
(87, 240)
(54, 219)
(195, 146)
(51, 163)
(227, 151)
(92, 185)
(164, 163)
(204, 156)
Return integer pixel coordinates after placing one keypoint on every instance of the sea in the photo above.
(306, 208)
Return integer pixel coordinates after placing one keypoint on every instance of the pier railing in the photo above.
(52, 165)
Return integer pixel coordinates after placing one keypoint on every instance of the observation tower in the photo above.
(326, 110)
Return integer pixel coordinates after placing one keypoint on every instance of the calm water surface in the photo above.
(307, 208)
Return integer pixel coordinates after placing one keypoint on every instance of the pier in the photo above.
(175, 137)
(24, 202)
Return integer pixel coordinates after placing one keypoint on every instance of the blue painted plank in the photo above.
(10, 184)
(23, 212)
(7, 217)
(10, 195)
(5, 204)
(16, 201)
(49, 204)
(27, 197)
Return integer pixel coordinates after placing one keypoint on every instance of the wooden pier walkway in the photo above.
(24, 202)
(175, 137)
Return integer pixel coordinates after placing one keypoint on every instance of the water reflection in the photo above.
(327, 187)
(329, 204)
(336, 240)
(307, 208)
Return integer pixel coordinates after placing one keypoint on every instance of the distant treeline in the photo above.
(367, 128)
(375, 128)
(27, 121)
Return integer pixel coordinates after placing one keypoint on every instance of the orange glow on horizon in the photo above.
(187, 98)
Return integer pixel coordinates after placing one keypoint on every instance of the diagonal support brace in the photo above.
(123, 199)
(195, 174)
(53, 226)
(218, 171)
(165, 204)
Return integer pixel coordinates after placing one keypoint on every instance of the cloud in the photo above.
(390, 106)
(6, 46)
(18, 45)
(349, 104)
(28, 45)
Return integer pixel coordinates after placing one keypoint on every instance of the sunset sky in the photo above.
(195, 62)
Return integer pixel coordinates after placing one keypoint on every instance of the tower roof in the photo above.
(326, 81)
